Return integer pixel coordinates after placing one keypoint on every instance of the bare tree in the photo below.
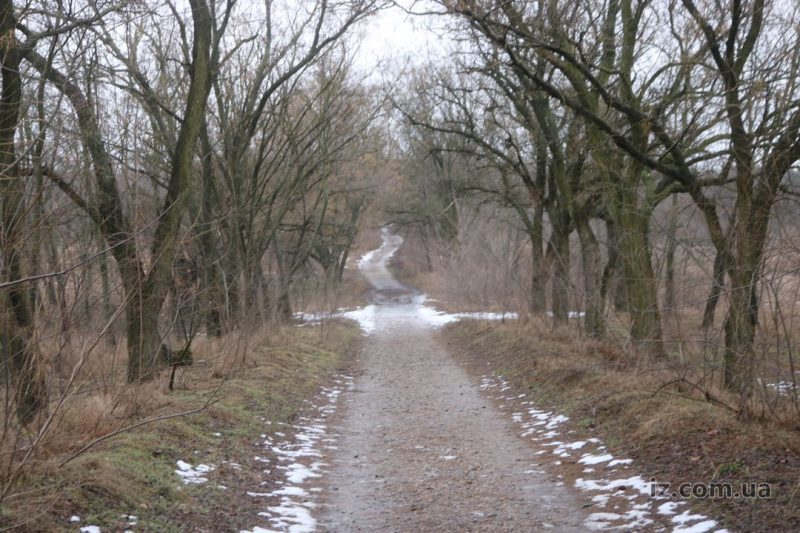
(19, 353)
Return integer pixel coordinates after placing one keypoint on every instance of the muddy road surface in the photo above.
(419, 448)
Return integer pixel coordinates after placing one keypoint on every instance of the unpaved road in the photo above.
(420, 449)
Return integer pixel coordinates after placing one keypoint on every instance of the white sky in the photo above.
(393, 39)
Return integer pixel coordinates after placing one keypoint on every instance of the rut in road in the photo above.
(420, 449)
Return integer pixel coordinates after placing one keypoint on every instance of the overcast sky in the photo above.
(393, 39)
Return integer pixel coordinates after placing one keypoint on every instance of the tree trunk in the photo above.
(342, 263)
(594, 319)
(538, 298)
(612, 286)
(284, 303)
(59, 287)
(672, 245)
(740, 329)
(427, 249)
(259, 292)
(742, 318)
(16, 331)
(717, 284)
(108, 308)
(640, 280)
(209, 269)
(559, 285)
(144, 338)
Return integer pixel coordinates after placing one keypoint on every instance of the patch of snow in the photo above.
(365, 317)
(193, 475)
(700, 527)
(589, 459)
(291, 517)
(685, 517)
(298, 460)
(288, 491)
(631, 519)
(782, 387)
(486, 316)
(668, 508)
(562, 449)
(299, 472)
(90, 529)
(433, 317)
(570, 314)
(556, 420)
(366, 258)
(616, 462)
(635, 482)
(597, 521)
(74, 519)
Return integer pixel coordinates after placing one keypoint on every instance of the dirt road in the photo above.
(420, 449)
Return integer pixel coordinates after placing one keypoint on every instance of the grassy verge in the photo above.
(673, 434)
(134, 473)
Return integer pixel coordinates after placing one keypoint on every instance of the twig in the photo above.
(708, 397)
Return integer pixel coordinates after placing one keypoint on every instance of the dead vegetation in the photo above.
(234, 385)
(655, 413)
(488, 269)
(674, 416)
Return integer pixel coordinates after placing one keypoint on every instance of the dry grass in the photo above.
(268, 373)
(648, 411)
(672, 416)
(486, 271)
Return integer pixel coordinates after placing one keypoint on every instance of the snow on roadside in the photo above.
(367, 321)
(193, 475)
(433, 317)
(364, 316)
(624, 497)
(300, 457)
